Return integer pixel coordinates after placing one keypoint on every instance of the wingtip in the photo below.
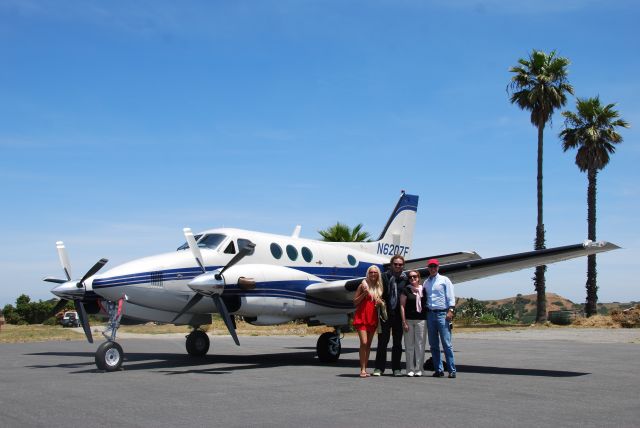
(601, 245)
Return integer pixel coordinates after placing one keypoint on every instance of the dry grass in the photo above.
(596, 321)
(42, 333)
(218, 328)
(629, 318)
(35, 333)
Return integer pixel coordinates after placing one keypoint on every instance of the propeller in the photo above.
(206, 285)
(73, 290)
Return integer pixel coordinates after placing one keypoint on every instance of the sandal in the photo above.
(364, 374)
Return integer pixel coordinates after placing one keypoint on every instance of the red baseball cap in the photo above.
(433, 262)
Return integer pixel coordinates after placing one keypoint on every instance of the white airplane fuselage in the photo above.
(156, 286)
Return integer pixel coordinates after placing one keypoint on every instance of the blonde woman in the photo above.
(365, 321)
(413, 310)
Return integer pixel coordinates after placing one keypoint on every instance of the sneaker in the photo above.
(452, 375)
(397, 373)
(410, 374)
(377, 372)
(418, 373)
(438, 374)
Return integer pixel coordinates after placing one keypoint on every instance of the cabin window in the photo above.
(352, 260)
(276, 250)
(307, 255)
(292, 252)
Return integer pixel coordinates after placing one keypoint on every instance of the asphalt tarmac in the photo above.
(505, 379)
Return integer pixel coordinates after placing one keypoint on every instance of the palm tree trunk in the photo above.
(538, 279)
(592, 287)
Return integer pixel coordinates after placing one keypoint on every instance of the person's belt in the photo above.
(437, 310)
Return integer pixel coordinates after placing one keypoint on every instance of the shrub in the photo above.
(488, 318)
(27, 312)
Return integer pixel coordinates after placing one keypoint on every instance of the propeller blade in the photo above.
(195, 299)
(64, 259)
(83, 319)
(94, 269)
(222, 310)
(56, 280)
(241, 254)
(195, 250)
(61, 304)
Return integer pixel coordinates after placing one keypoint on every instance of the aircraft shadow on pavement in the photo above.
(517, 371)
(224, 363)
(174, 364)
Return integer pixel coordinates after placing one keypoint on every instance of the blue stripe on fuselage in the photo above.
(295, 289)
(184, 274)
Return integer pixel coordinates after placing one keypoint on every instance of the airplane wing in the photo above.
(462, 271)
(442, 258)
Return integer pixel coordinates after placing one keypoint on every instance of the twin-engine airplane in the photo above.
(267, 279)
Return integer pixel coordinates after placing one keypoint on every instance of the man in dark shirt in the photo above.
(393, 281)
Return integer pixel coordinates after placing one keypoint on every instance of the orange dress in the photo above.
(366, 316)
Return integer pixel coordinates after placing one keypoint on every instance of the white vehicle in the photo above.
(70, 319)
(265, 278)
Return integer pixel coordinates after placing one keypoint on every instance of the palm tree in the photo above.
(340, 232)
(540, 85)
(592, 130)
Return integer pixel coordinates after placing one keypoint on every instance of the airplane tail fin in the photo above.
(397, 235)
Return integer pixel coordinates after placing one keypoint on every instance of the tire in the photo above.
(197, 343)
(109, 356)
(328, 347)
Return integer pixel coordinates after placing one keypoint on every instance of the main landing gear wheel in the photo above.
(328, 347)
(109, 356)
(197, 343)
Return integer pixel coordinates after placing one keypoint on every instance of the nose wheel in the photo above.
(109, 356)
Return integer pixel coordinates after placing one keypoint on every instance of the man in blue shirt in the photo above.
(440, 305)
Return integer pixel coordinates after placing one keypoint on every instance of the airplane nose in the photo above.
(69, 290)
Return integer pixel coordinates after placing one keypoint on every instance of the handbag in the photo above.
(382, 312)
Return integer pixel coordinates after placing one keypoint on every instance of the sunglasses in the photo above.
(413, 277)
(398, 264)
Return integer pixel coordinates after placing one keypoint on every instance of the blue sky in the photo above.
(123, 122)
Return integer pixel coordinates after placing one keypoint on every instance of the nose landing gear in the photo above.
(109, 355)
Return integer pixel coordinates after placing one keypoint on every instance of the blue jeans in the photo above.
(437, 325)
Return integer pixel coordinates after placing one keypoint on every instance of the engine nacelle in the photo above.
(263, 274)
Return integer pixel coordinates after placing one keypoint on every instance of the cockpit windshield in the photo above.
(211, 240)
(185, 246)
